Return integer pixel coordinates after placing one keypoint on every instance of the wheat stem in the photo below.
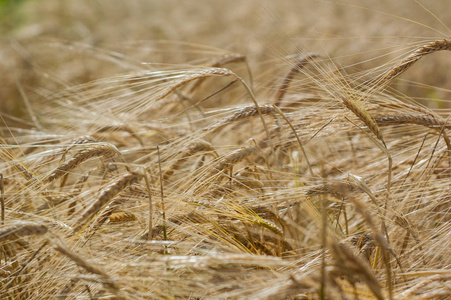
(2, 199)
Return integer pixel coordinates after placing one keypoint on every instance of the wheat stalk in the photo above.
(2, 199)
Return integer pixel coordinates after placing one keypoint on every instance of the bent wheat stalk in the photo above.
(209, 72)
(297, 138)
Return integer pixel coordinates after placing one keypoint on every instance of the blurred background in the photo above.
(49, 45)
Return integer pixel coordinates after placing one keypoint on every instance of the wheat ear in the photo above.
(106, 151)
(243, 113)
(300, 63)
(22, 229)
(106, 279)
(193, 148)
(257, 220)
(106, 195)
(423, 120)
(225, 163)
(121, 127)
(196, 75)
(351, 265)
(407, 62)
(357, 108)
(233, 158)
(26, 174)
(222, 61)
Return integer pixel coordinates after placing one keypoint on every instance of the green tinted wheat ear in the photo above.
(106, 151)
(22, 229)
(106, 196)
(257, 220)
(407, 62)
(357, 108)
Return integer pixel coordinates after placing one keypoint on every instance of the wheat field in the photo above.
(142, 160)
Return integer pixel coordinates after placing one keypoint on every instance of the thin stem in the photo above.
(297, 137)
(150, 233)
(165, 237)
(2, 198)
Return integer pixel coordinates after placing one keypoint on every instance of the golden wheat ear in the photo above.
(407, 62)
(299, 64)
(106, 195)
(90, 268)
(243, 113)
(21, 228)
(106, 151)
